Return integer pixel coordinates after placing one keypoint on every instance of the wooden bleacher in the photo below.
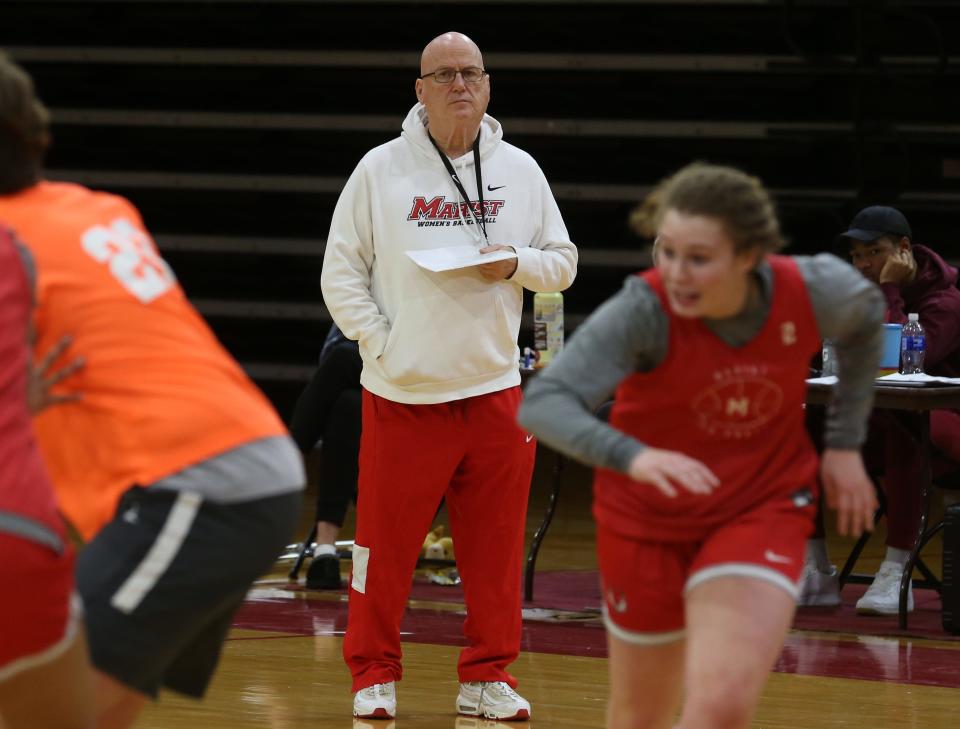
(232, 125)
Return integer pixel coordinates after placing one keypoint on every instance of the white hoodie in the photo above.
(435, 337)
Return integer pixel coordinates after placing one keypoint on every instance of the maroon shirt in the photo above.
(25, 490)
(932, 294)
(739, 410)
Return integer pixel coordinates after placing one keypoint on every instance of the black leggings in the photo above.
(329, 408)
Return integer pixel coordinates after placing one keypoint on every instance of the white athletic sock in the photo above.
(899, 556)
(817, 554)
(322, 549)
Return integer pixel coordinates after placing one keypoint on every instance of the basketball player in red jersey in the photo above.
(172, 465)
(704, 489)
(45, 677)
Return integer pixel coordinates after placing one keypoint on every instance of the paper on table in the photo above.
(918, 379)
(449, 259)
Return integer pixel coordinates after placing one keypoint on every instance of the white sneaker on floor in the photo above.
(493, 700)
(818, 588)
(883, 595)
(376, 702)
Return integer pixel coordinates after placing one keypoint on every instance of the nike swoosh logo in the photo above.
(490, 188)
(771, 556)
(620, 605)
(529, 438)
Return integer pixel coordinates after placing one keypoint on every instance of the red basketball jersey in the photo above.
(24, 487)
(739, 410)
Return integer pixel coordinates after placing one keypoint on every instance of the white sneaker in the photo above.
(883, 596)
(492, 699)
(818, 588)
(376, 702)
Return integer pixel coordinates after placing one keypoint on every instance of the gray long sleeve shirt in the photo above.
(629, 333)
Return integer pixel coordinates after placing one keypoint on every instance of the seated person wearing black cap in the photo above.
(913, 278)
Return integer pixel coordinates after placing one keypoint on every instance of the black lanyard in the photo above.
(456, 181)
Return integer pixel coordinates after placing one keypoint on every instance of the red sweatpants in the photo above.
(473, 452)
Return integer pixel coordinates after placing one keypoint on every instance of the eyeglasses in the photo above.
(470, 74)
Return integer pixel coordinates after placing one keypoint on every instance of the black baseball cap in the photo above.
(877, 221)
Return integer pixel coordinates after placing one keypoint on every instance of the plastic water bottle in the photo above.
(913, 345)
(547, 326)
(829, 354)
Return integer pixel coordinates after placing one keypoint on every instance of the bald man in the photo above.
(441, 384)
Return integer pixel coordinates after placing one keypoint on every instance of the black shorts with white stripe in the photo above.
(161, 582)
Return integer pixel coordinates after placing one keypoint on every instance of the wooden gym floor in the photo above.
(283, 669)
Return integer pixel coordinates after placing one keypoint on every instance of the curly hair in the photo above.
(739, 201)
(24, 129)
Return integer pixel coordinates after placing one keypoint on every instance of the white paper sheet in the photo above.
(921, 380)
(450, 259)
(915, 380)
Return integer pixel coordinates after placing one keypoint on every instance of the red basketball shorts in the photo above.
(644, 583)
(39, 612)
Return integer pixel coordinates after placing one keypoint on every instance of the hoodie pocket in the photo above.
(442, 339)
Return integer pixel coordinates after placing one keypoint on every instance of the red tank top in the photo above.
(739, 410)
(24, 488)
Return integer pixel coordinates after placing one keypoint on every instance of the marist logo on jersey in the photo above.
(439, 211)
(739, 403)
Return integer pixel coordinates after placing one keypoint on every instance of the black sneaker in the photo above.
(324, 573)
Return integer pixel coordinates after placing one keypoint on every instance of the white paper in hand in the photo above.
(450, 259)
